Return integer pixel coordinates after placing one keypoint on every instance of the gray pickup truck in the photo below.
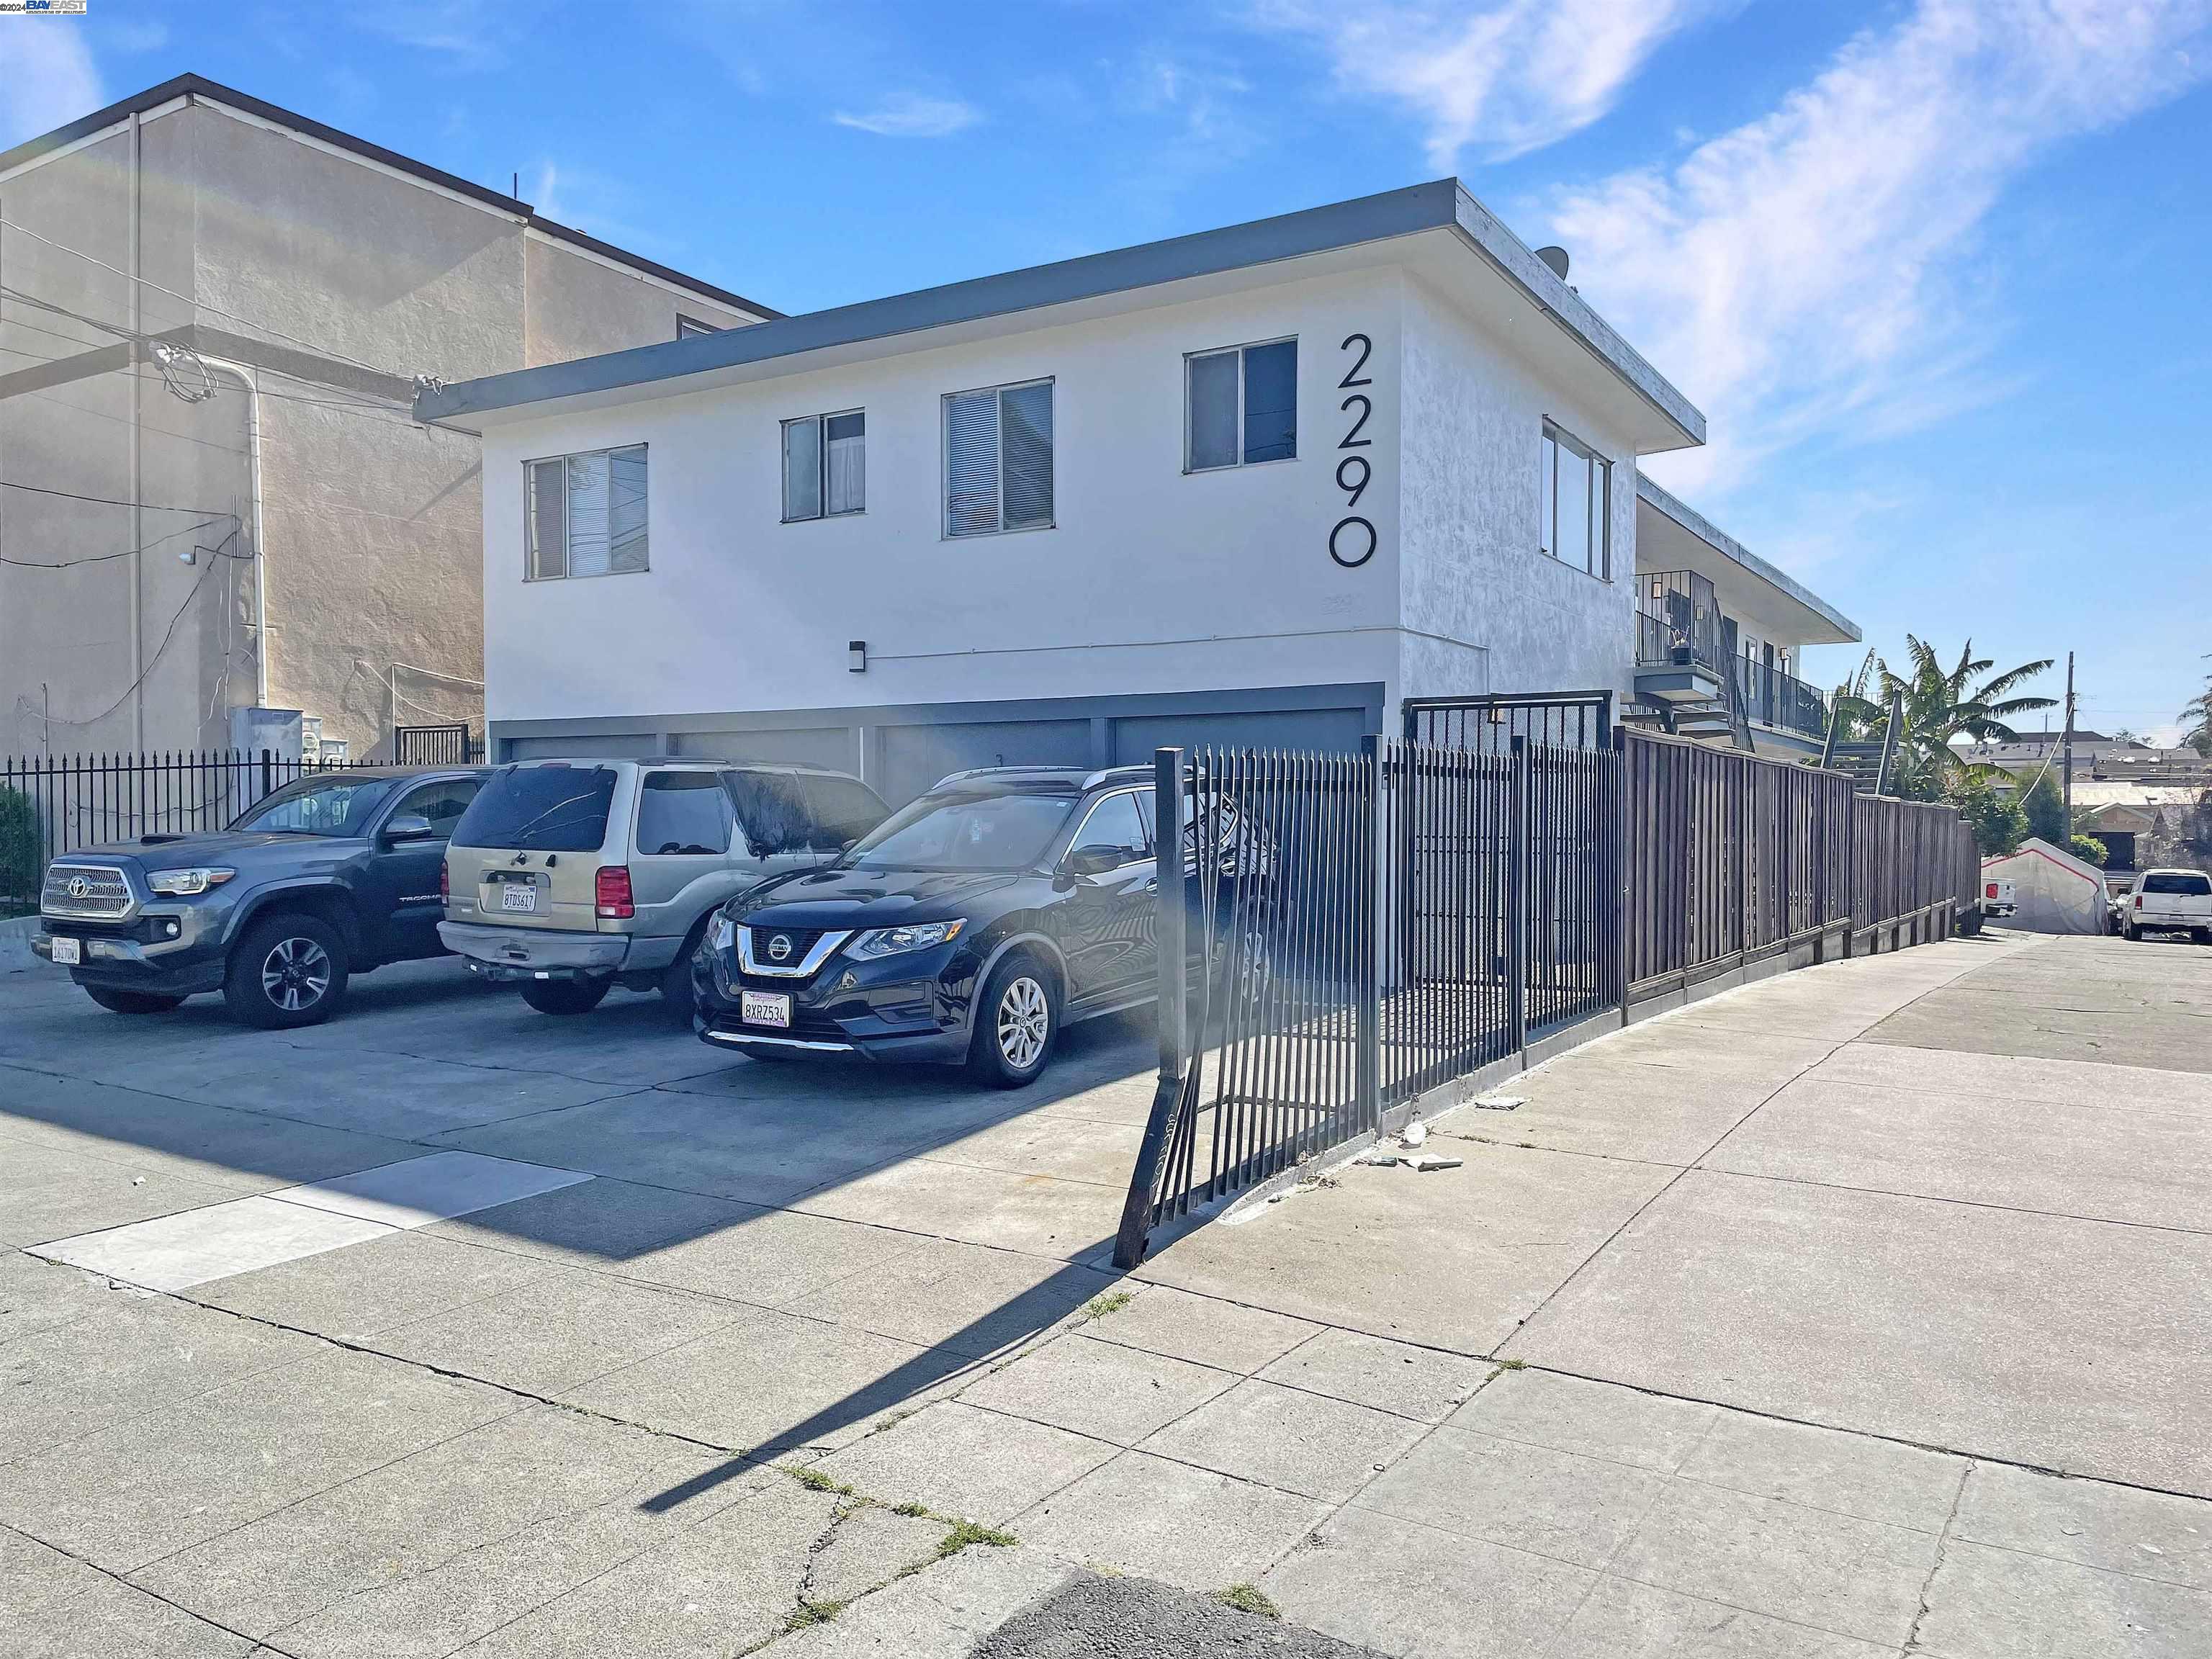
(328, 877)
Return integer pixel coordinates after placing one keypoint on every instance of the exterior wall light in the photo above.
(857, 655)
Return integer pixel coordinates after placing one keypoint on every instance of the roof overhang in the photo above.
(1437, 225)
(1670, 535)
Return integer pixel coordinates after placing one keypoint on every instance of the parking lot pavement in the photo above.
(1804, 1321)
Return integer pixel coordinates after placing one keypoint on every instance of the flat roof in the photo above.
(199, 86)
(1441, 204)
(1826, 624)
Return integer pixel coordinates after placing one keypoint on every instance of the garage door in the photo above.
(916, 756)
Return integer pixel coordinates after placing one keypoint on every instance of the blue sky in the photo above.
(1934, 269)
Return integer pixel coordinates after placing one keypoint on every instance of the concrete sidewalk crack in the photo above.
(1935, 1567)
(260, 1645)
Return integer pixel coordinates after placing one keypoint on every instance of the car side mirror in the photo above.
(409, 826)
(1094, 860)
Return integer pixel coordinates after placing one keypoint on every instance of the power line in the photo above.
(127, 552)
(202, 305)
(167, 634)
(113, 500)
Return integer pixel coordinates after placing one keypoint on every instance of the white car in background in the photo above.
(2170, 901)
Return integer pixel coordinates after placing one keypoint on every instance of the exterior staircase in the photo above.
(1867, 762)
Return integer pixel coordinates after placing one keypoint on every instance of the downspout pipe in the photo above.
(246, 379)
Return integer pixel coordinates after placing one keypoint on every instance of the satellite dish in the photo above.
(1557, 258)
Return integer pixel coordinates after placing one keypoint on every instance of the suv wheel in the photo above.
(565, 996)
(289, 970)
(676, 983)
(130, 1002)
(1016, 1021)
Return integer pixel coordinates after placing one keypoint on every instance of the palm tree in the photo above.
(1940, 704)
(2197, 719)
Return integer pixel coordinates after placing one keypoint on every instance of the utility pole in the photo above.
(2066, 748)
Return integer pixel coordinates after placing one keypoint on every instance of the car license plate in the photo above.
(68, 953)
(765, 1008)
(518, 895)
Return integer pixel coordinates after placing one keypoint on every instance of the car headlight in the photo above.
(891, 941)
(184, 883)
(721, 933)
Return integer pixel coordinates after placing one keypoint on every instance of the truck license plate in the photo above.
(514, 896)
(68, 953)
(765, 1008)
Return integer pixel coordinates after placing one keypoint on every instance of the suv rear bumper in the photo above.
(533, 953)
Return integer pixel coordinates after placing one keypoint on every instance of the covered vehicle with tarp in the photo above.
(2054, 892)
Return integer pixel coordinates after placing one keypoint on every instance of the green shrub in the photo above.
(2089, 850)
(22, 850)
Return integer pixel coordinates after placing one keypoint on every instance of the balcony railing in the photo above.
(1679, 623)
(1677, 610)
(1773, 698)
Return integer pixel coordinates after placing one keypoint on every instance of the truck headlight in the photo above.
(184, 883)
(892, 941)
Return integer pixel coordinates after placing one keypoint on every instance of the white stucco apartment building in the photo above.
(1256, 485)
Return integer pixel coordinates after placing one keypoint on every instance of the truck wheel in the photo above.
(289, 970)
(1014, 1022)
(130, 1002)
(2132, 931)
(565, 996)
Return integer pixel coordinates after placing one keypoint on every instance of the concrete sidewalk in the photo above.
(1858, 1312)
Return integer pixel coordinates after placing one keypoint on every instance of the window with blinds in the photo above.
(1576, 482)
(585, 515)
(1241, 406)
(998, 459)
(825, 471)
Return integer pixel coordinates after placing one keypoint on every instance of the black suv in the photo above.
(332, 875)
(970, 925)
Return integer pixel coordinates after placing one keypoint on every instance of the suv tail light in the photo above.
(2138, 901)
(611, 892)
(444, 885)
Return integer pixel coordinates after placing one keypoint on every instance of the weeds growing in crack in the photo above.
(909, 1509)
(1248, 1598)
(1106, 1302)
(965, 1533)
(814, 1480)
(811, 1612)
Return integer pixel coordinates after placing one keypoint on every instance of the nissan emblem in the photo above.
(779, 948)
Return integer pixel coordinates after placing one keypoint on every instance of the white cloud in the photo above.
(1502, 76)
(908, 115)
(1810, 273)
(46, 77)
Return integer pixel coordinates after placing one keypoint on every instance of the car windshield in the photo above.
(965, 832)
(2180, 883)
(317, 806)
(540, 809)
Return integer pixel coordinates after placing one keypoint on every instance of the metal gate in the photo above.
(1488, 725)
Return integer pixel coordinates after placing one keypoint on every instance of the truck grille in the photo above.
(85, 893)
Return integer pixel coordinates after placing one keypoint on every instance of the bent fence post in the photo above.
(1143, 1201)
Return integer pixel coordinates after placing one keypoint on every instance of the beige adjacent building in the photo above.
(213, 315)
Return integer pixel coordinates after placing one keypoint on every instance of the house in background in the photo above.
(212, 315)
(1274, 485)
(1708, 609)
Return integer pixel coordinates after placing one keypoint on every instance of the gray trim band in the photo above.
(1440, 204)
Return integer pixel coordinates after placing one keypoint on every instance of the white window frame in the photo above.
(691, 328)
(944, 531)
(822, 446)
(529, 506)
(1601, 528)
(1240, 348)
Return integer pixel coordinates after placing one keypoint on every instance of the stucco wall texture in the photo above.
(371, 539)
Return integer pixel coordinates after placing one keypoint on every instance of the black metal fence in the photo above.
(1341, 935)
(1489, 724)
(436, 745)
(53, 805)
